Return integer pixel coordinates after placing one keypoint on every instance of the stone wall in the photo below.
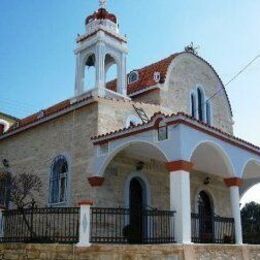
(216, 190)
(129, 252)
(186, 74)
(112, 114)
(34, 150)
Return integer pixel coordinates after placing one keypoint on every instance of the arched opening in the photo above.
(111, 76)
(205, 211)
(59, 180)
(137, 203)
(200, 104)
(90, 73)
(193, 106)
(210, 158)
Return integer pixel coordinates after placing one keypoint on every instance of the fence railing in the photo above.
(251, 231)
(212, 230)
(119, 225)
(41, 225)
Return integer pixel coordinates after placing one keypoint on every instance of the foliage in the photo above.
(250, 215)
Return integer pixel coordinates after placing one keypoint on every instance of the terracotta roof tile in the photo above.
(146, 75)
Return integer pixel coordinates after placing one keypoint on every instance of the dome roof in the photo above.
(101, 14)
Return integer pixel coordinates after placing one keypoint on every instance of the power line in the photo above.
(235, 76)
(230, 81)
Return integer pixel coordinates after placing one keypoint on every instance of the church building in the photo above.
(155, 142)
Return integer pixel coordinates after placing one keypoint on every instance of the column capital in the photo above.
(86, 203)
(96, 181)
(232, 182)
(179, 165)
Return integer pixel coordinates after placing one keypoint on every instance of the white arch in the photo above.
(228, 163)
(246, 165)
(121, 147)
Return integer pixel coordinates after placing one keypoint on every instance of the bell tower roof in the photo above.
(101, 14)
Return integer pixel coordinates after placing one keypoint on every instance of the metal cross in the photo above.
(102, 3)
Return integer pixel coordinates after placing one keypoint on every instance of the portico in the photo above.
(192, 158)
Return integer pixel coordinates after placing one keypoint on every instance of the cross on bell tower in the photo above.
(101, 47)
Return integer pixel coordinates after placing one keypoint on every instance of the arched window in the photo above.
(133, 77)
(208, 112)
(59, 180)
(193, 106)
(200, 105)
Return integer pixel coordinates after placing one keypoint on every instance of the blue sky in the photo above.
(37, 39)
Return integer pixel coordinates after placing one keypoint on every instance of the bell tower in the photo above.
(101, 47)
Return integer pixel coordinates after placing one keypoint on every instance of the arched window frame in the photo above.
(201, 104)
(133, 77)
(201, 112)
(62, 183)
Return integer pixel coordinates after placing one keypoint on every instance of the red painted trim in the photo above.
(231, 182)
(96, 181)
(179, 165)
(86, 202)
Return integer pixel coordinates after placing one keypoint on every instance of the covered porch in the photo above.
(170, 180)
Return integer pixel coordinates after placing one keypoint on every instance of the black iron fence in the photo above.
(119, 225)
(41, 225)
(213, 229)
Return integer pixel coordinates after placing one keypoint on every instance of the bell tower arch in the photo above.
(101, 47)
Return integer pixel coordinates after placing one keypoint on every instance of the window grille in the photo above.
(58, 180)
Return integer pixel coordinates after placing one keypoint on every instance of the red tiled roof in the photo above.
(120, 133)
(146, 75)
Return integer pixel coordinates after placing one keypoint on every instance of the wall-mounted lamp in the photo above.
(139, 165)
(5, 163)
(206, 181)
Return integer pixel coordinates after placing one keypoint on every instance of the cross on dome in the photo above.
(103, 3)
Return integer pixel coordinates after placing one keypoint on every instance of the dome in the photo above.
(101, 14)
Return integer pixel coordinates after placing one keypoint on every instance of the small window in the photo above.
(162, 132)
(59, 180)
(200, 105)
(208, 112)
(133, 77)
(193, 107)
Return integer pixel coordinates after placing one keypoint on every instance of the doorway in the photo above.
(136, 207)
(206, 218)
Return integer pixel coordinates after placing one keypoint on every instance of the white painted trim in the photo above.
(246, 164)
(132, 118)
(5, 123)
(227, 160)
(121, 147)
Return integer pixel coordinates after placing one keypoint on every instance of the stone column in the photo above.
(234, 184)
(84, 224)
(180, 199)
(100, 68)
